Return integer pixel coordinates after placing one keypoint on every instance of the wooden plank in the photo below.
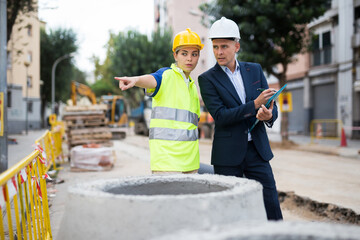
(81, 117)
(87, 141)
(81, 108)
(91, 136)
(89, 130)
(82, 123)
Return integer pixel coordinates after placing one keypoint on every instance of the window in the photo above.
(326, 44)
(29, 57)
(29, 30)
(316, 51)
(30, 107)
(9, 99)
(29, 81)
(9, 60)
(321, 49)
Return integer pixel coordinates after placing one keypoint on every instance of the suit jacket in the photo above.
(233, 118)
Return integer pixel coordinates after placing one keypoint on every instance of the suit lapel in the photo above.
(246, 76)
(224, 80)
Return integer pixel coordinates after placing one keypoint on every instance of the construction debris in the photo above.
(92, 157)
(86, 124)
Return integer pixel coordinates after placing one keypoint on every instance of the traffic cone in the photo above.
(319, 131)
(343, 138)
(202, 134)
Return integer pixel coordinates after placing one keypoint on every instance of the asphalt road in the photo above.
(320, 177)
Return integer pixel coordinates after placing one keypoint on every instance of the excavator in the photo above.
(117, 110)
(82, 89)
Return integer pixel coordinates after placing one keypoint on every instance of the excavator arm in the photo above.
(82, 89)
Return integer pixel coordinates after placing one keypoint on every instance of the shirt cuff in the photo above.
(269, 123)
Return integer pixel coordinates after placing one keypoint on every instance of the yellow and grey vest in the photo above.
(173, 136)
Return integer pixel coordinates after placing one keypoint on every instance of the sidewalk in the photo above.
(21, 145)
(324, 146)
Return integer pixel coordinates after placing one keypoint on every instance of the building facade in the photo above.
(179, 15)
(325, 82)
(23, 74)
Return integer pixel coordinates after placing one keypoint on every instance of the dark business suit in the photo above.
(232, 154)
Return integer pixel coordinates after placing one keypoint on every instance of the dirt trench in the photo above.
(311, 210)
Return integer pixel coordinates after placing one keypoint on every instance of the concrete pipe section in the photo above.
(146, 207)
(269, 231)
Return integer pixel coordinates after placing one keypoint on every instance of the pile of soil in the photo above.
(312, 210)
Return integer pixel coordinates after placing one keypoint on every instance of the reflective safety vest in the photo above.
(173, 133)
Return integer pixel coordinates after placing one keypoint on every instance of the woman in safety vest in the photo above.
(173, 133)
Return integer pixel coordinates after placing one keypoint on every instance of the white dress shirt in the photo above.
(237, 81)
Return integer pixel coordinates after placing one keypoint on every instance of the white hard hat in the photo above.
(224, 28)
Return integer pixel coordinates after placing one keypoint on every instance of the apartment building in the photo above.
(325, 82)
(23, 74)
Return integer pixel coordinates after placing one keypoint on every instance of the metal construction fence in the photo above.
(24, 209)
(326, 129)
(24, 197)
(50, 143)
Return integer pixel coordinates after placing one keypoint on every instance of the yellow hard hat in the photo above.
(186, 38)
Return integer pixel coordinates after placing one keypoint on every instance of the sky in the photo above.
(92, 20)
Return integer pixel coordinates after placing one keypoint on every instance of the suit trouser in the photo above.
(254, 167)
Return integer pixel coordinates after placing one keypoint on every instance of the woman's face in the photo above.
(187, 58)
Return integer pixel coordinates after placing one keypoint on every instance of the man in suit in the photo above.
(230, 91)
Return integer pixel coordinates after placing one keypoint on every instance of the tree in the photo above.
(272, 32)
(103, 77)
(132, 54)
(78, 75)
(14, 8)
(53, 45)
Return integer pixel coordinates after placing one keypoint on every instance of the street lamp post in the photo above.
(3, 88)
(27, 64)
(53, 79)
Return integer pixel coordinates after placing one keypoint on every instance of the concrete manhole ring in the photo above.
(143, 207)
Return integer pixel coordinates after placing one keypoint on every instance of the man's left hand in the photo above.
(265, 114)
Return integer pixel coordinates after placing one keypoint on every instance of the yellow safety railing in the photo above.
(57, 133)
(45, 143)
(325, 129)
(24, 199)
(51, 143)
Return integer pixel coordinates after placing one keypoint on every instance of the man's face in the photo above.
(225, 50)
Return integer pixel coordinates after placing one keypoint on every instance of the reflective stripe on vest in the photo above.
(174, 114)
(173, 134)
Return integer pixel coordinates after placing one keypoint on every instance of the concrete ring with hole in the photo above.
(149, 206)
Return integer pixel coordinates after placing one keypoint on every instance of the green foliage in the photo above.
(52, 46)
(272, 31)
(78, 76)
(132, 54)
(104, 88)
